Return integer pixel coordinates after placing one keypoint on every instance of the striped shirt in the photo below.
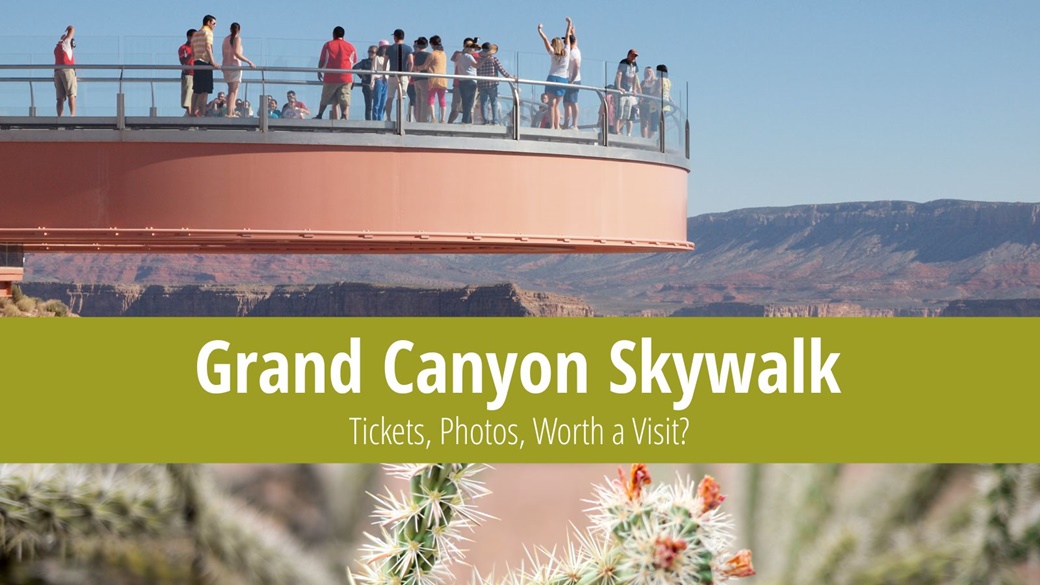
(202, 43)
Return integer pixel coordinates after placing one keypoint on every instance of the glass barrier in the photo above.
(12, 255)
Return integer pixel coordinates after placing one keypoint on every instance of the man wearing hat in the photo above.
(489, 66)
(399, 58)
(627, 80)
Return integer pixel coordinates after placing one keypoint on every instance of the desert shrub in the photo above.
(57, 308)
(26, 304)
(16, 293)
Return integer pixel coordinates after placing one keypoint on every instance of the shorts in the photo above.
(553, 90)
(203, 82)
(65, 83)
(570, 95)
(186, 90)
(394, 84)
(629, 109)
(646, 110)
(336, 95)
(654, 119)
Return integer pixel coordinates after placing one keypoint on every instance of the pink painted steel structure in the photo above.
(307, 186)
(291, 198)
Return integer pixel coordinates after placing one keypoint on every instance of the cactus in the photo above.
(420, 530)
(994, 546)
(238, 539)
(812, 509)
(753, 501)
(638, 535)
(660, 535)
(918, 566)
(77, 511)
(246, 544)
(45, 508)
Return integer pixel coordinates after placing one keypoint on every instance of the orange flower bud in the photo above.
(739, 565)
(633, 485)
(708, 491)
(666, 551)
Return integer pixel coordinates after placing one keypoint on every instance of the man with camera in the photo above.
(65, 78)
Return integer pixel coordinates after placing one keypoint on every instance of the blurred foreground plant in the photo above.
(75, 512)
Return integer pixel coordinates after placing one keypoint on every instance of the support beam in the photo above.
(11, 267)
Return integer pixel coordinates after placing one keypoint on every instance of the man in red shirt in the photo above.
(65, 78)
(186, 57)
(336, 54)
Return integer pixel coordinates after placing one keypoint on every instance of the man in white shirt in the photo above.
(627, 80)
(570, 96)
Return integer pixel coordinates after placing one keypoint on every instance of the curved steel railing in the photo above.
(673, 135)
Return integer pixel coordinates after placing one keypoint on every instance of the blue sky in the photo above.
(790, 102)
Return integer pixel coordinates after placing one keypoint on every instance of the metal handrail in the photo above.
(514, 82)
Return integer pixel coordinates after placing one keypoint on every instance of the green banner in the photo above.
(518, 390)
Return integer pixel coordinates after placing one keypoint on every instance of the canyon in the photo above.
(882, 258)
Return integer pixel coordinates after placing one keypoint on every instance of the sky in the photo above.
(814, 101)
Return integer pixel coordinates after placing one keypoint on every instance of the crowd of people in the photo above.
(627, 100)
(197, 82)
(628, 107)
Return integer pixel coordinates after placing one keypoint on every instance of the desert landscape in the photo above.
(885, 258)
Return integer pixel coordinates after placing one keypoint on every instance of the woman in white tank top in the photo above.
(558, 71)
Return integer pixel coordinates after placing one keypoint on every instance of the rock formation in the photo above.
(325, 300)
